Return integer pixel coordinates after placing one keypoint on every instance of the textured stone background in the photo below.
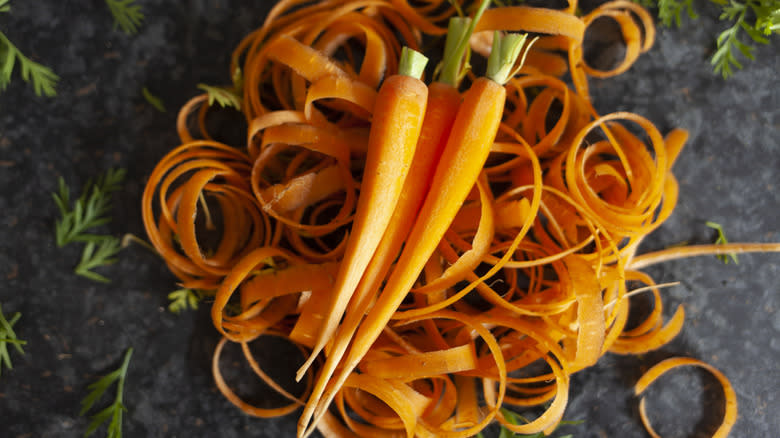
(77, 329)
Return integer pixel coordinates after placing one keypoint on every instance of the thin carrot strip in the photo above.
(652, 340)
(590, 312)
(645, 18)
(306, 61)
(244, 268)
(235, 399)
(469, 260)
(679, 252)
(467, 413)
(304, 190)
(553, 414)
(326, 143)
(631, 37)
(273, 118)
(421, 365)
(528, 19)
(508, 214)
(294, 279)
(407, 403)
(730, 415)
(375, 55)
(322, 139)
(331, 427)
(311, 316)
(339, 87)
(653, 320)
(422, 23)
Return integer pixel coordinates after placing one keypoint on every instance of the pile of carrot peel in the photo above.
(437, 250)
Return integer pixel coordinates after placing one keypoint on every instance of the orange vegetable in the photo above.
(395, 129)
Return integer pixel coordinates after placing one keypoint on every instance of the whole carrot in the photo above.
(473, 132)
(395, 128)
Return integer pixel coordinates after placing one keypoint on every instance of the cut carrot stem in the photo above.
(395, 128)
(412, 63)
(506, 50)
(456, 48)
(451, 65)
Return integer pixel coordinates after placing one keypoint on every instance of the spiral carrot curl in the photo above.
(528, 268)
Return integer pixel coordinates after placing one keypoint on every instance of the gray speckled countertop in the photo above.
(78, 329)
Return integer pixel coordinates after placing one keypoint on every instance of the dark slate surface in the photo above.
(77, 329)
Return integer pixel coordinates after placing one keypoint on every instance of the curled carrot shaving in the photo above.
(241, 404)
(528, 19)
(651, 375)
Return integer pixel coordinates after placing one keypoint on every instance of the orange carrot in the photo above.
(473, 132)
(397, 121)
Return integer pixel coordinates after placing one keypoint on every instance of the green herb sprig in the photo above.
(224, 96)
(153, 100)
(767, 21)
(98, 254)
(127, 15)
(8, 336)
(721, 240)
(114, 412)
(44, 80)
(183, 299)
(90, 210)
(758, 19)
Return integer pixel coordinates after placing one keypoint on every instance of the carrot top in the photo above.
(455, 61)
(412, 63)
(504, 54)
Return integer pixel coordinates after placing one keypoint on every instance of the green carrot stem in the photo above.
(412, 63)
(456, 46)
(503, 56)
